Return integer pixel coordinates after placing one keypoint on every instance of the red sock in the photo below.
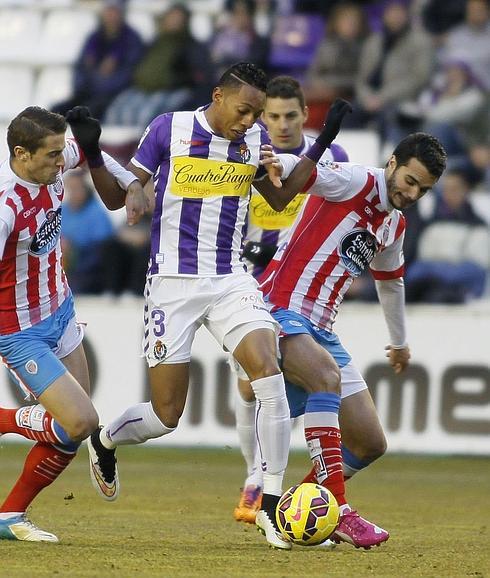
(31, 421)
(326, 455)
(43, 465)
(310, 477)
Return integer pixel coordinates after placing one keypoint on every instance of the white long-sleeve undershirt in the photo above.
(391, 295)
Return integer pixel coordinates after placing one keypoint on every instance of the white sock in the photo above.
(245, 427)
(136, 425)
(255, 477)
(273, 428)
(7, 515)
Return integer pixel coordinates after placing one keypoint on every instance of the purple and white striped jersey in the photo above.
(202, 192)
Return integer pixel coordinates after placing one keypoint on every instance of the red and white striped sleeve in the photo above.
(389, 263)
(72, 154)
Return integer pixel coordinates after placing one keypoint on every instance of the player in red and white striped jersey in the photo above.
(285, 114)
(351, 221)
(40, 340)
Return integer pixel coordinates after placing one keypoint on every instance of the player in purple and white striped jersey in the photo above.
(203, 164)
(284, 115)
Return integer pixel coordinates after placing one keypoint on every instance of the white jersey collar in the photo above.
(382, 191)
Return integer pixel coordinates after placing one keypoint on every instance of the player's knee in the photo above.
(372, 449)
(265, 370)
(266, 366)
(169, 415)
(81, 428)
(328, 380)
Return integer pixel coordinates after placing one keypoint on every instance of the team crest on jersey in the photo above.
(160, 350)
(49, 233)
(58, 186)
(357, 249)
(245, 153)
(386, 233)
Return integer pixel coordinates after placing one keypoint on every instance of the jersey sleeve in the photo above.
(264, 139)
(72, 154)
(389, 263)
(336, 181)
(4, 233)
(154, 144)
(7, 219)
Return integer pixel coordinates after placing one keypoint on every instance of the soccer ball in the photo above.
(307, 514)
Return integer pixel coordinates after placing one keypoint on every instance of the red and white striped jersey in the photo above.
(346, 225)
(32, 281)
(264, 224)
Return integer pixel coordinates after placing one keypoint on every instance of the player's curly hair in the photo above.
(242, 72)
(31, 126)
(425, 148)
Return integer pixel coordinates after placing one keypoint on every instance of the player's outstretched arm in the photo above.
(110, 179)
(391, 295)
(295, 181)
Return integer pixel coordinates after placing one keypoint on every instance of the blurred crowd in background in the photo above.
(405, 66)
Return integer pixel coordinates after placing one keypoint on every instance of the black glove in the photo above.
(331, 128)
(259, 254)
(86, 131)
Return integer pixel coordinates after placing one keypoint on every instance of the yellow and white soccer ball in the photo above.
(307, 514)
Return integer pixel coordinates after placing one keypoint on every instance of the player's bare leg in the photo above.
(363, 438)
(321, 377)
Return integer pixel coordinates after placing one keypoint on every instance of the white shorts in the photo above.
(351, 380)
(230, 307)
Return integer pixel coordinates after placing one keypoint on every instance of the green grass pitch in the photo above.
(174, 519)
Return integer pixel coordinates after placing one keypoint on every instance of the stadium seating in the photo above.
(143, 23)
(53, 85)
(201, 25)
(362, 146)
(19, 35)
(62, 36)
(3, 142)
(16, 93)
(480, 201)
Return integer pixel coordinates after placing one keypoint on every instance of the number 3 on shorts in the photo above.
(158, 319)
